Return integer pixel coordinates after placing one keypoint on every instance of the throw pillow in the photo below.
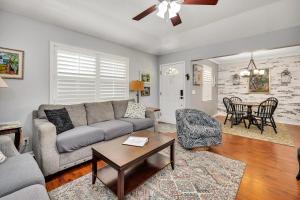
(2, 157)
(61, 119)
(135, 110)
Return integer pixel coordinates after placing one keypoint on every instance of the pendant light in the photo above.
(251, 67)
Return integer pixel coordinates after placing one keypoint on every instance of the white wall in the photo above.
(23, 96)
(282, 38)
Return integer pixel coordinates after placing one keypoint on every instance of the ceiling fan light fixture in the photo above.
(162, 9)
(172, 14)
(175, 7)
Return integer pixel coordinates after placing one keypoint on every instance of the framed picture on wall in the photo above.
(11, 63)
(145, 77)
(197, 74)
(259, 83)
(145, 92)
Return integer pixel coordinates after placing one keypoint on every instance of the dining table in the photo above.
(249, 105)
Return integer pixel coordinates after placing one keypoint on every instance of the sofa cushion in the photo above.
(135, 110)
(99, 112)
(18, 172)
(120, 107)
(29, 193)
(61, 119)
(77, 112)
(78, 137)
(140, 124)
(114, 128)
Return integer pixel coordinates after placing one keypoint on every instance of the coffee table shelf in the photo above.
(127, 166)
(134, 176)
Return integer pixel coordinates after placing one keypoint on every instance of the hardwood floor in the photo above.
(270, 173)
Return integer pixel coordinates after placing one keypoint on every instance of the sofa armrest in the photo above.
(7, 146)
(44, 146)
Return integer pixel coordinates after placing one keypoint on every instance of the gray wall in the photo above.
(23, 96)
(282, 38)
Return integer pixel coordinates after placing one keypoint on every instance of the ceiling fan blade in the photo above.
(201, 2)
(176, 20)
(145, 13)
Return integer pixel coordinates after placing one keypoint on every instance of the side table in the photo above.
(12, 127)
(154, 110)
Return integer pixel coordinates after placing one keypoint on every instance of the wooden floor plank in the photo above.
(270, 172)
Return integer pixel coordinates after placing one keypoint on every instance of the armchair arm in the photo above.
(44, 146)
(7, 146)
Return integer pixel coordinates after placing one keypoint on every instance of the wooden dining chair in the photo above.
(264, 115)
(236, 112)
(274, 99)
(236, 99)
(227, 103)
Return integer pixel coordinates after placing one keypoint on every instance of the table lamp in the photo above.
(2, 83)
(137, 86)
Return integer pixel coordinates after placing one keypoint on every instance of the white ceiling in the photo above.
(202, 25)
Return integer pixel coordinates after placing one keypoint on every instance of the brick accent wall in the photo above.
(288, 110)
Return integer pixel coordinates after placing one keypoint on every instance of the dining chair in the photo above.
(264, 113)
(236, 99)
(227, 103)
(275, 99)
(237, 112)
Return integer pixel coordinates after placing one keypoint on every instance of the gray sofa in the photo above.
(20, 176)
(94, 123)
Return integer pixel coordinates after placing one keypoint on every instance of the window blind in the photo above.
(113, 78)
(207, 83)
(78, 76)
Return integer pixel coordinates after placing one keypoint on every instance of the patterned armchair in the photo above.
(197, 129)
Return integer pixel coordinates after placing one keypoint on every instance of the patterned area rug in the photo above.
(197, 175)
(282, 136)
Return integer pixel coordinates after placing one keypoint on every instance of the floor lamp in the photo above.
(137, 86)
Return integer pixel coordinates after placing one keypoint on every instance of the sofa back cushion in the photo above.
(120, 107)
(99, 112)
(76, 112)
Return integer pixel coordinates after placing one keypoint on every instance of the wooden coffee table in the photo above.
(128, 166)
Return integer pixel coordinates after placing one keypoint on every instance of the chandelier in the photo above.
(251, 68)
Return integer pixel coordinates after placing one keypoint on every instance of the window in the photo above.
(79, 75)
(207, 83)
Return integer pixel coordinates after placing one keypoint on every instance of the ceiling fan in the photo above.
(172, 8)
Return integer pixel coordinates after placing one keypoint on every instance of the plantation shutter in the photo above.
(79, 76)
(113, 78)
(207, 83)
(75, 77)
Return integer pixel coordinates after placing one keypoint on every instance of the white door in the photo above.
(172, 93)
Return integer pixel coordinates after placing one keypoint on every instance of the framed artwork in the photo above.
(259, 83)
(197, 74)
(145, 92)
(146, 77)
(11, 63)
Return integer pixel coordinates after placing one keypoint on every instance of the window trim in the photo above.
(53, 66)
(211, 84)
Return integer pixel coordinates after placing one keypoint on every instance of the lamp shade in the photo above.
(2, 83)
(137, 85)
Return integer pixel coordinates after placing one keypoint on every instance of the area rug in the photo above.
(282, 136)
(197, 175)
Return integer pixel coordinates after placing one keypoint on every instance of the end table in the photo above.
(12, 127)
